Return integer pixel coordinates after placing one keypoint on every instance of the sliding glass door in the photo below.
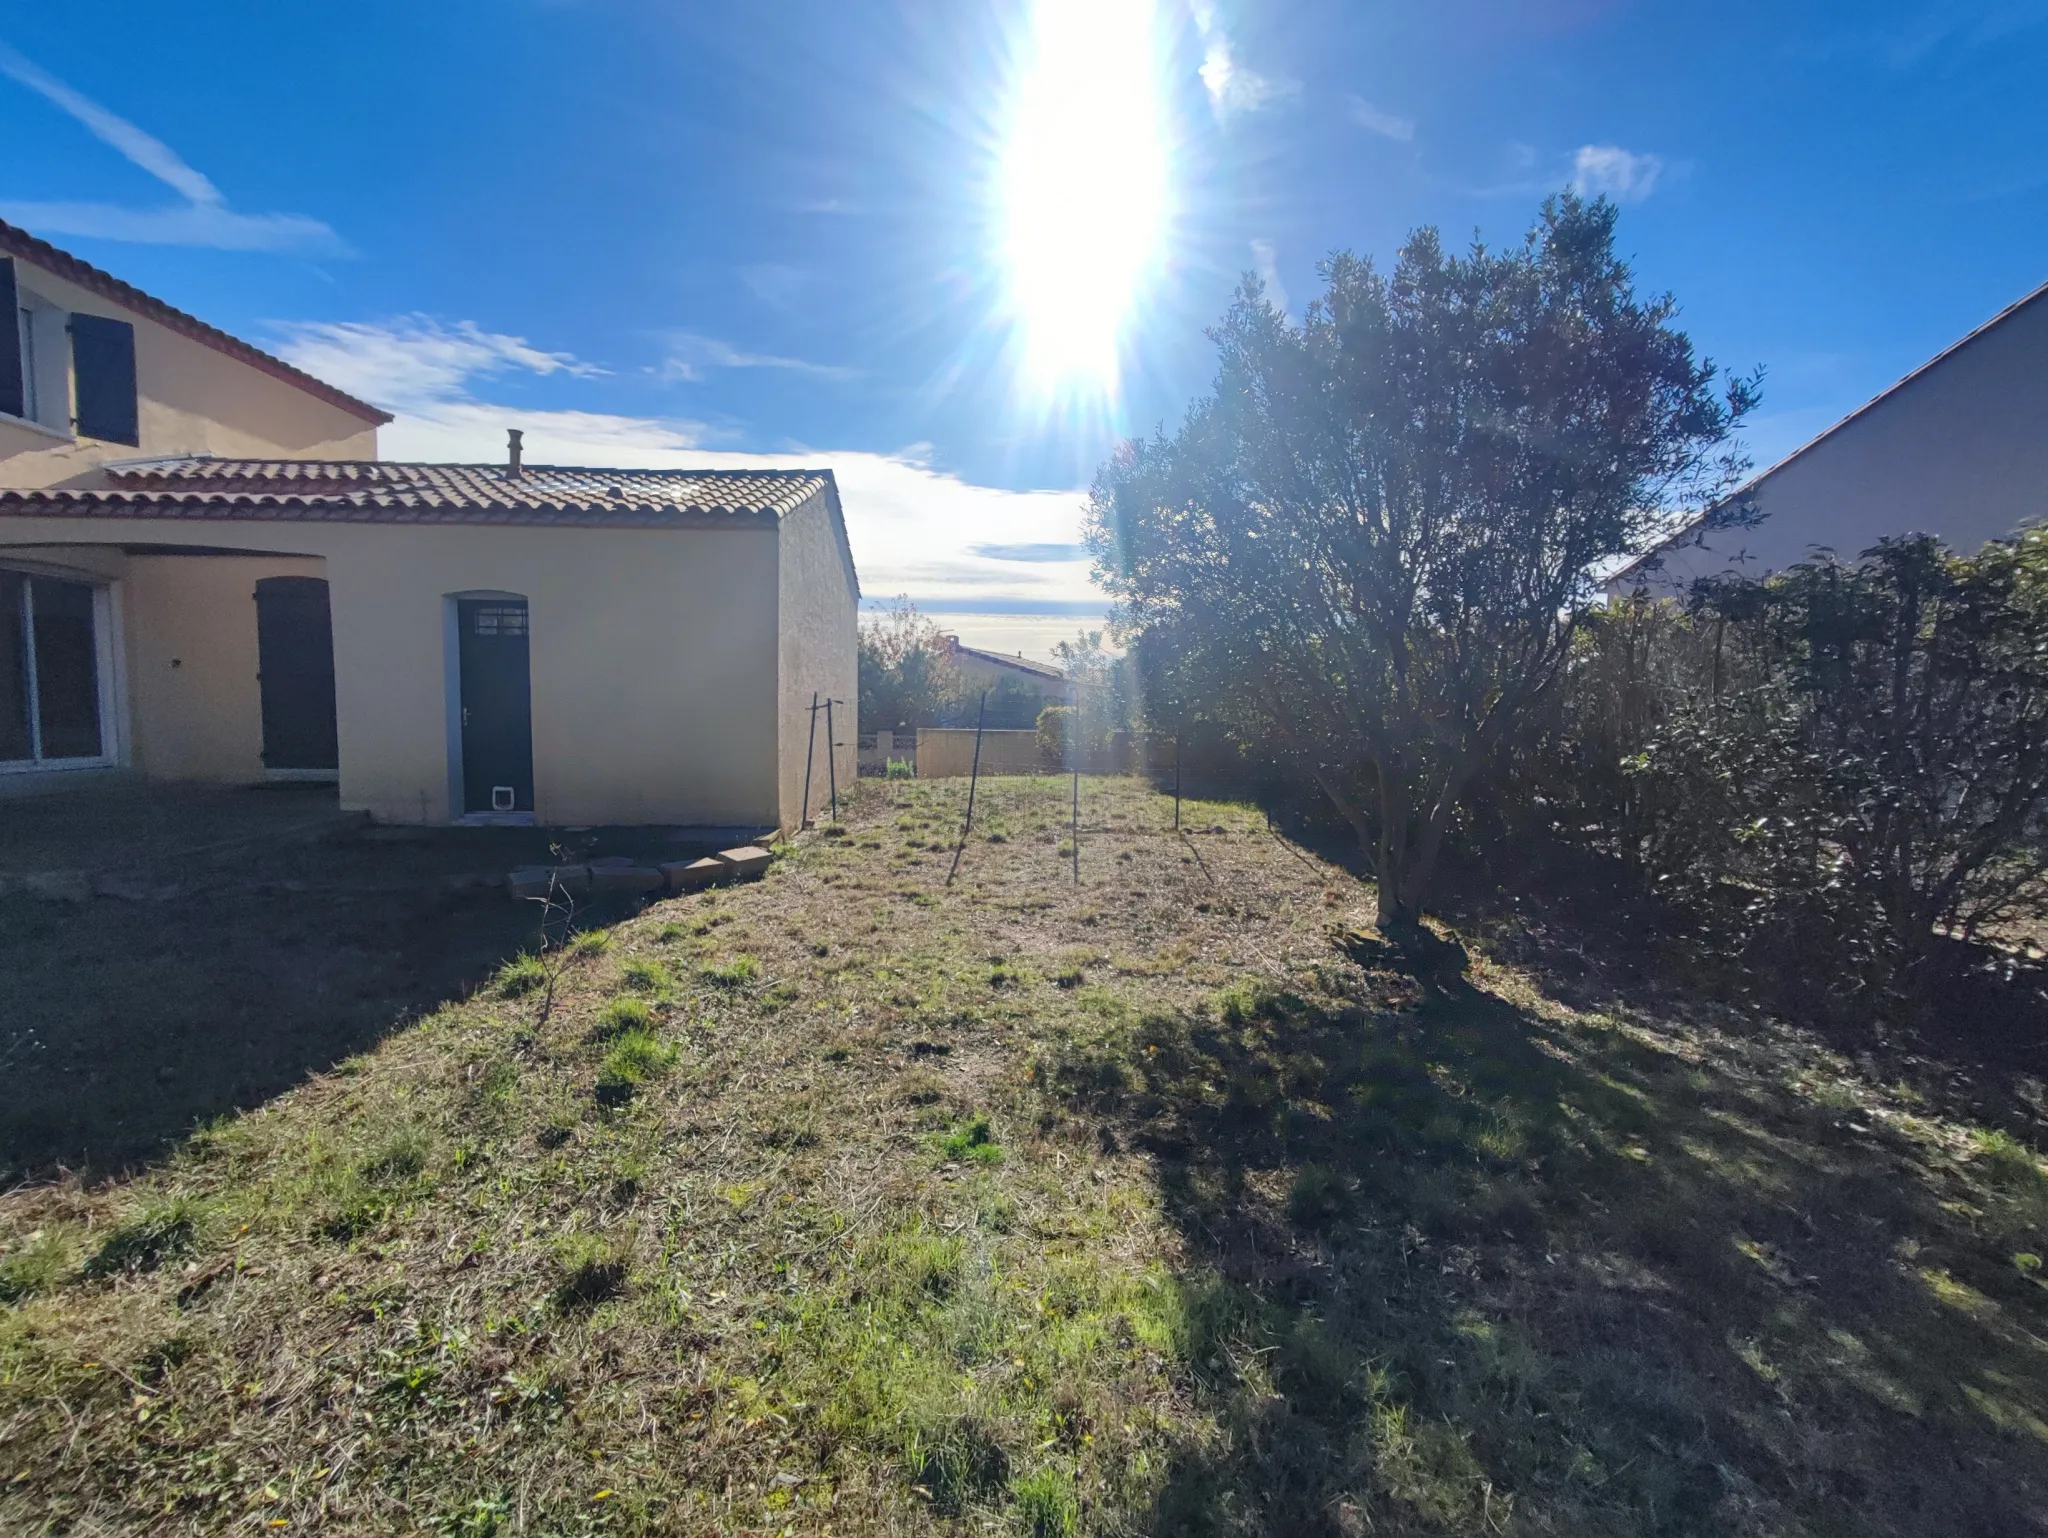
(49, 672)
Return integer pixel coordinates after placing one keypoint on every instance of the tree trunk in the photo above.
(1399, 911)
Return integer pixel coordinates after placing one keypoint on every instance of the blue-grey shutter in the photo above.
(103, 370)
(13, 391)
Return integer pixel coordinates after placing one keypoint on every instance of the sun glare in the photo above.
(1085, 182)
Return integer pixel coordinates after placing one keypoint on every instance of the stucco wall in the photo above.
(654, 657)
(1960, 452)
(818, 652)
(195, 703)
(945, 751)
(193, 400)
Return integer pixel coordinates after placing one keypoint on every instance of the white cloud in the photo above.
(186, 224)
(1266, 262)
(474, 432)
(1388, 125)
(203, 220)
(691, 355)
(1232, 88)
(1615, 172)
(414, 361)
(915, 530)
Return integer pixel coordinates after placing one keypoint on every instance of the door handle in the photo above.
(465, 715)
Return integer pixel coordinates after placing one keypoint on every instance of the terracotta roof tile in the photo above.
(384, 491)
(18, 242)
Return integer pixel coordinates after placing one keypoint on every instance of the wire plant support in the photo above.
(973, 778)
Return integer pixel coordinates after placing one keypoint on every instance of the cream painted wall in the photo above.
(1960, 452)
(193, 400)
(654, 655)
(819, 620)
(196, 709)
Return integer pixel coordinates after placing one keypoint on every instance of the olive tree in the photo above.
(1370, 546)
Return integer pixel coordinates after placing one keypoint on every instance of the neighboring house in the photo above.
(207, 575)
(1958, 449)
(981, 670)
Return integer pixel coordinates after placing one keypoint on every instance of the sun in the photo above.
(1085, 181)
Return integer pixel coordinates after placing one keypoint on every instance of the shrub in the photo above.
(1058, 734)
(1832, 771)
(900, 769)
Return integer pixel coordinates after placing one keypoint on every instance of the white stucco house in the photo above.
(206, 574)
(1957, 449)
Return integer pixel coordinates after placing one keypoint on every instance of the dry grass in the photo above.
(852, 1202)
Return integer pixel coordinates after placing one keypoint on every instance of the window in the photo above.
(500, 621)
(49, 671)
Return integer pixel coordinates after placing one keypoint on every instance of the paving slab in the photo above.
(747, 861)
(690, 875)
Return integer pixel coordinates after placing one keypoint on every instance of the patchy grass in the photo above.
(1281, 1236)
(622, 1017)
(636, 1057)
(522, 975)
(973, 1142)
(740, 972)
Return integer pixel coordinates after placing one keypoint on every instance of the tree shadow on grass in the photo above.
(1460, 1266)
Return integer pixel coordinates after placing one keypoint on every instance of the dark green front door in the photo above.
(295, 673)
(497, 705)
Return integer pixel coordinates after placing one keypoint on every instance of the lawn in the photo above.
(1171, 1201)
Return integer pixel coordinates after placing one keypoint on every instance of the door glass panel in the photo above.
(67, 669)
(15, 740)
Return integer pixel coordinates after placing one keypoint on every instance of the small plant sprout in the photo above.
(973, 1141)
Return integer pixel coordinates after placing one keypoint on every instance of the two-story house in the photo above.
(206, 574)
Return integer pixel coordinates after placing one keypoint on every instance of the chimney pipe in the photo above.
(513, 450)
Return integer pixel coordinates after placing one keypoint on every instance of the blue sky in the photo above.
(679, 233)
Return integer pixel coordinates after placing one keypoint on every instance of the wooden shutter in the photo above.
(103, 365)
(13, 389)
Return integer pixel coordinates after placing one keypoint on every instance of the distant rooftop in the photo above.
(1004, 659)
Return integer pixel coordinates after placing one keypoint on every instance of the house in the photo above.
(1018, 688)
(206, 574)
(1957, 449)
